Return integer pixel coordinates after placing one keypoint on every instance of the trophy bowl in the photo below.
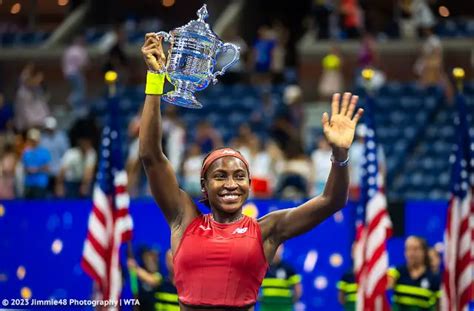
(191, 59)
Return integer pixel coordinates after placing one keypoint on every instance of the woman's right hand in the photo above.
(152, 51)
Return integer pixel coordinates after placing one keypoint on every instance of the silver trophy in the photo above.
(192, 55)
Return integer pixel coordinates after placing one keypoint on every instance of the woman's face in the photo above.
(227, 184)
(414, 253)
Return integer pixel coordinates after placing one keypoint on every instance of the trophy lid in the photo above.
(200, 27)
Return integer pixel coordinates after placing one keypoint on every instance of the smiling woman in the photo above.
(221, 258)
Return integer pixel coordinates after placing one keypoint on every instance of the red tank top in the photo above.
(220, 264)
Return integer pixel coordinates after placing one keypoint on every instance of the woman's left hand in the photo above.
(340, 128)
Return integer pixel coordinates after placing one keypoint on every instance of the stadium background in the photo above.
(41, 240)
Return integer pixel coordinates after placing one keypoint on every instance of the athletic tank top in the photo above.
(220, 264)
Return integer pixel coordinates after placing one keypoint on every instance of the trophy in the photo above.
(192, 55)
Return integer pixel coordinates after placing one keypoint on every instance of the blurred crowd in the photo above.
(42, 158)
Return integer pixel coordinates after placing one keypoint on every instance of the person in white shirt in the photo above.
(321, 159)
(77, 170)
(74, 61)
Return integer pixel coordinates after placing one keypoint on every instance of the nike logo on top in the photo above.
(228, 152)
(240, 230)
(204, 228)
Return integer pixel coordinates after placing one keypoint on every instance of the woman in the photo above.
(221, 258)
(415, 286)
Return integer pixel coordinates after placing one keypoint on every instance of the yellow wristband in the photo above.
(154, 83)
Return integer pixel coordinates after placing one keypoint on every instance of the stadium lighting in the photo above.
(16, 8)
(168, 3)
(443, 11)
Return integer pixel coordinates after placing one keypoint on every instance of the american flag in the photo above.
(373, 228)
(458, 236)
(110, 223)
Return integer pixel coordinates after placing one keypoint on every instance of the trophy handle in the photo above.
(166, 36)
(225, 48)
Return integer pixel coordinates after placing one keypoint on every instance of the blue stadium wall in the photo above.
(46, 239)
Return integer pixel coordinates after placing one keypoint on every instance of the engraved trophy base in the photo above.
(184, 99)
(182, 96)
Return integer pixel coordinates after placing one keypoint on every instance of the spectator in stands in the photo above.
(347, 286)
(435, 260)
(74, 62)
(36, 161)
(415, 286)
(133, 165)
(322, 10)
(242, 141)
(175, 136)
(117, 60)
(331, 80)
(281, 287)
(263, 53)
(321, 164)
(296, 173)
(77, 170)
(278, 59)
(414, 16)
(149, 277)
(429, 67)
(293, 98)
(192, 170)
(56, 142)
(6, 120)
(207, 137)
(263, 115)
(31, 106)
(351, 18)
(8, 160)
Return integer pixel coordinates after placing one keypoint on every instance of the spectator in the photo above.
(175, 137)
(435, 260)
(263, 115)
(322, 10)
(56, 142)
(331, 80)
(74, 61)
(415, 15)
(278, 57)
(351, 18)
(136, 184)
(293, 98)
(149, 277)
(263, 52)
(321, 160)
(31, 106)
(77, 170)
(117, 60)
(265, 161)
(207, 137)
(281, 287)
(8, 160)
(192, 171)
(36, 161)
(415, 286)
(6, 118)
(296, 174)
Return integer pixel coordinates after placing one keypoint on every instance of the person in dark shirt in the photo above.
(416, 287)
(281, 287)
(347, 287)
(167, 295)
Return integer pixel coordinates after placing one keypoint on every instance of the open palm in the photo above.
(340, 128)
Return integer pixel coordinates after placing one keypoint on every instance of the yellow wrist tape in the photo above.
(154, 83)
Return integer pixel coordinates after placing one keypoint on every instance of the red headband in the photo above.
(220, 153)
